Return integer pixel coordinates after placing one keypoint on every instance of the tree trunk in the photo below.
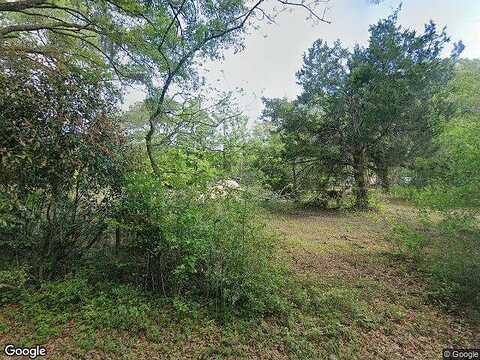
(117, 238)
(148, 142)
(295, 186)
(360, 174)
(383, 174)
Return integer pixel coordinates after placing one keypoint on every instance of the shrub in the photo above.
(72, 290)
(409, 241)
(119, 307)
(195, 245)
(62, 157)
(406, 192)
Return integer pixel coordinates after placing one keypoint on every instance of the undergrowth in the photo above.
(310, 317)
(446, 252)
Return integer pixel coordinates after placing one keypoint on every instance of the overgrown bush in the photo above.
(61, 158)
(195, 243)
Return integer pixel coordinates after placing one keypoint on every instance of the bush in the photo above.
(409, 241)
(209, 247)
(406, 192)
(73, 290)
(62, 158)
(119, 307)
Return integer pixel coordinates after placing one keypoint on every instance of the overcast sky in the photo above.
(273, 53)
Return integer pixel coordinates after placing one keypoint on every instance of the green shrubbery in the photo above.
(447, 249)
(406, 192)
(187, 245)
(117, 307)
(453, 263)
(62, 158)
(69, 182)
(97, 306)
(60, 294)
(194, 242)
(12, 283)
(447, 182)
(408, 240)
(313, 317)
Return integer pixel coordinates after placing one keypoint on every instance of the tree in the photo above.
(464, 88)
(373, 105)
(449, 172)
(157, 43)
(315, 167)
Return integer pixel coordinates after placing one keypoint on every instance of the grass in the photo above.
(353, 297)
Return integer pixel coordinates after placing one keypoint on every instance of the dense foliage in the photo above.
(368, 110)
(120, 218)
(73, 184)
(447, 179)
(61, 162)
(202, 243)
(74, 177)
(449, 176)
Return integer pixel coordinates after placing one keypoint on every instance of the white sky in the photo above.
(273, 53)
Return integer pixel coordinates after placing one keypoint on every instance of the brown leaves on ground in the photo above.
(349, 249)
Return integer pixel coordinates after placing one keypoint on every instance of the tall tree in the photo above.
(374, 104)
(157, 43)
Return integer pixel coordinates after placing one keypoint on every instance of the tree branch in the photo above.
(20, 5)
(35, 27)
(308, 9)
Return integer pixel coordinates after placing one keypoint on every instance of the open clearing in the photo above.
(351, 250)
